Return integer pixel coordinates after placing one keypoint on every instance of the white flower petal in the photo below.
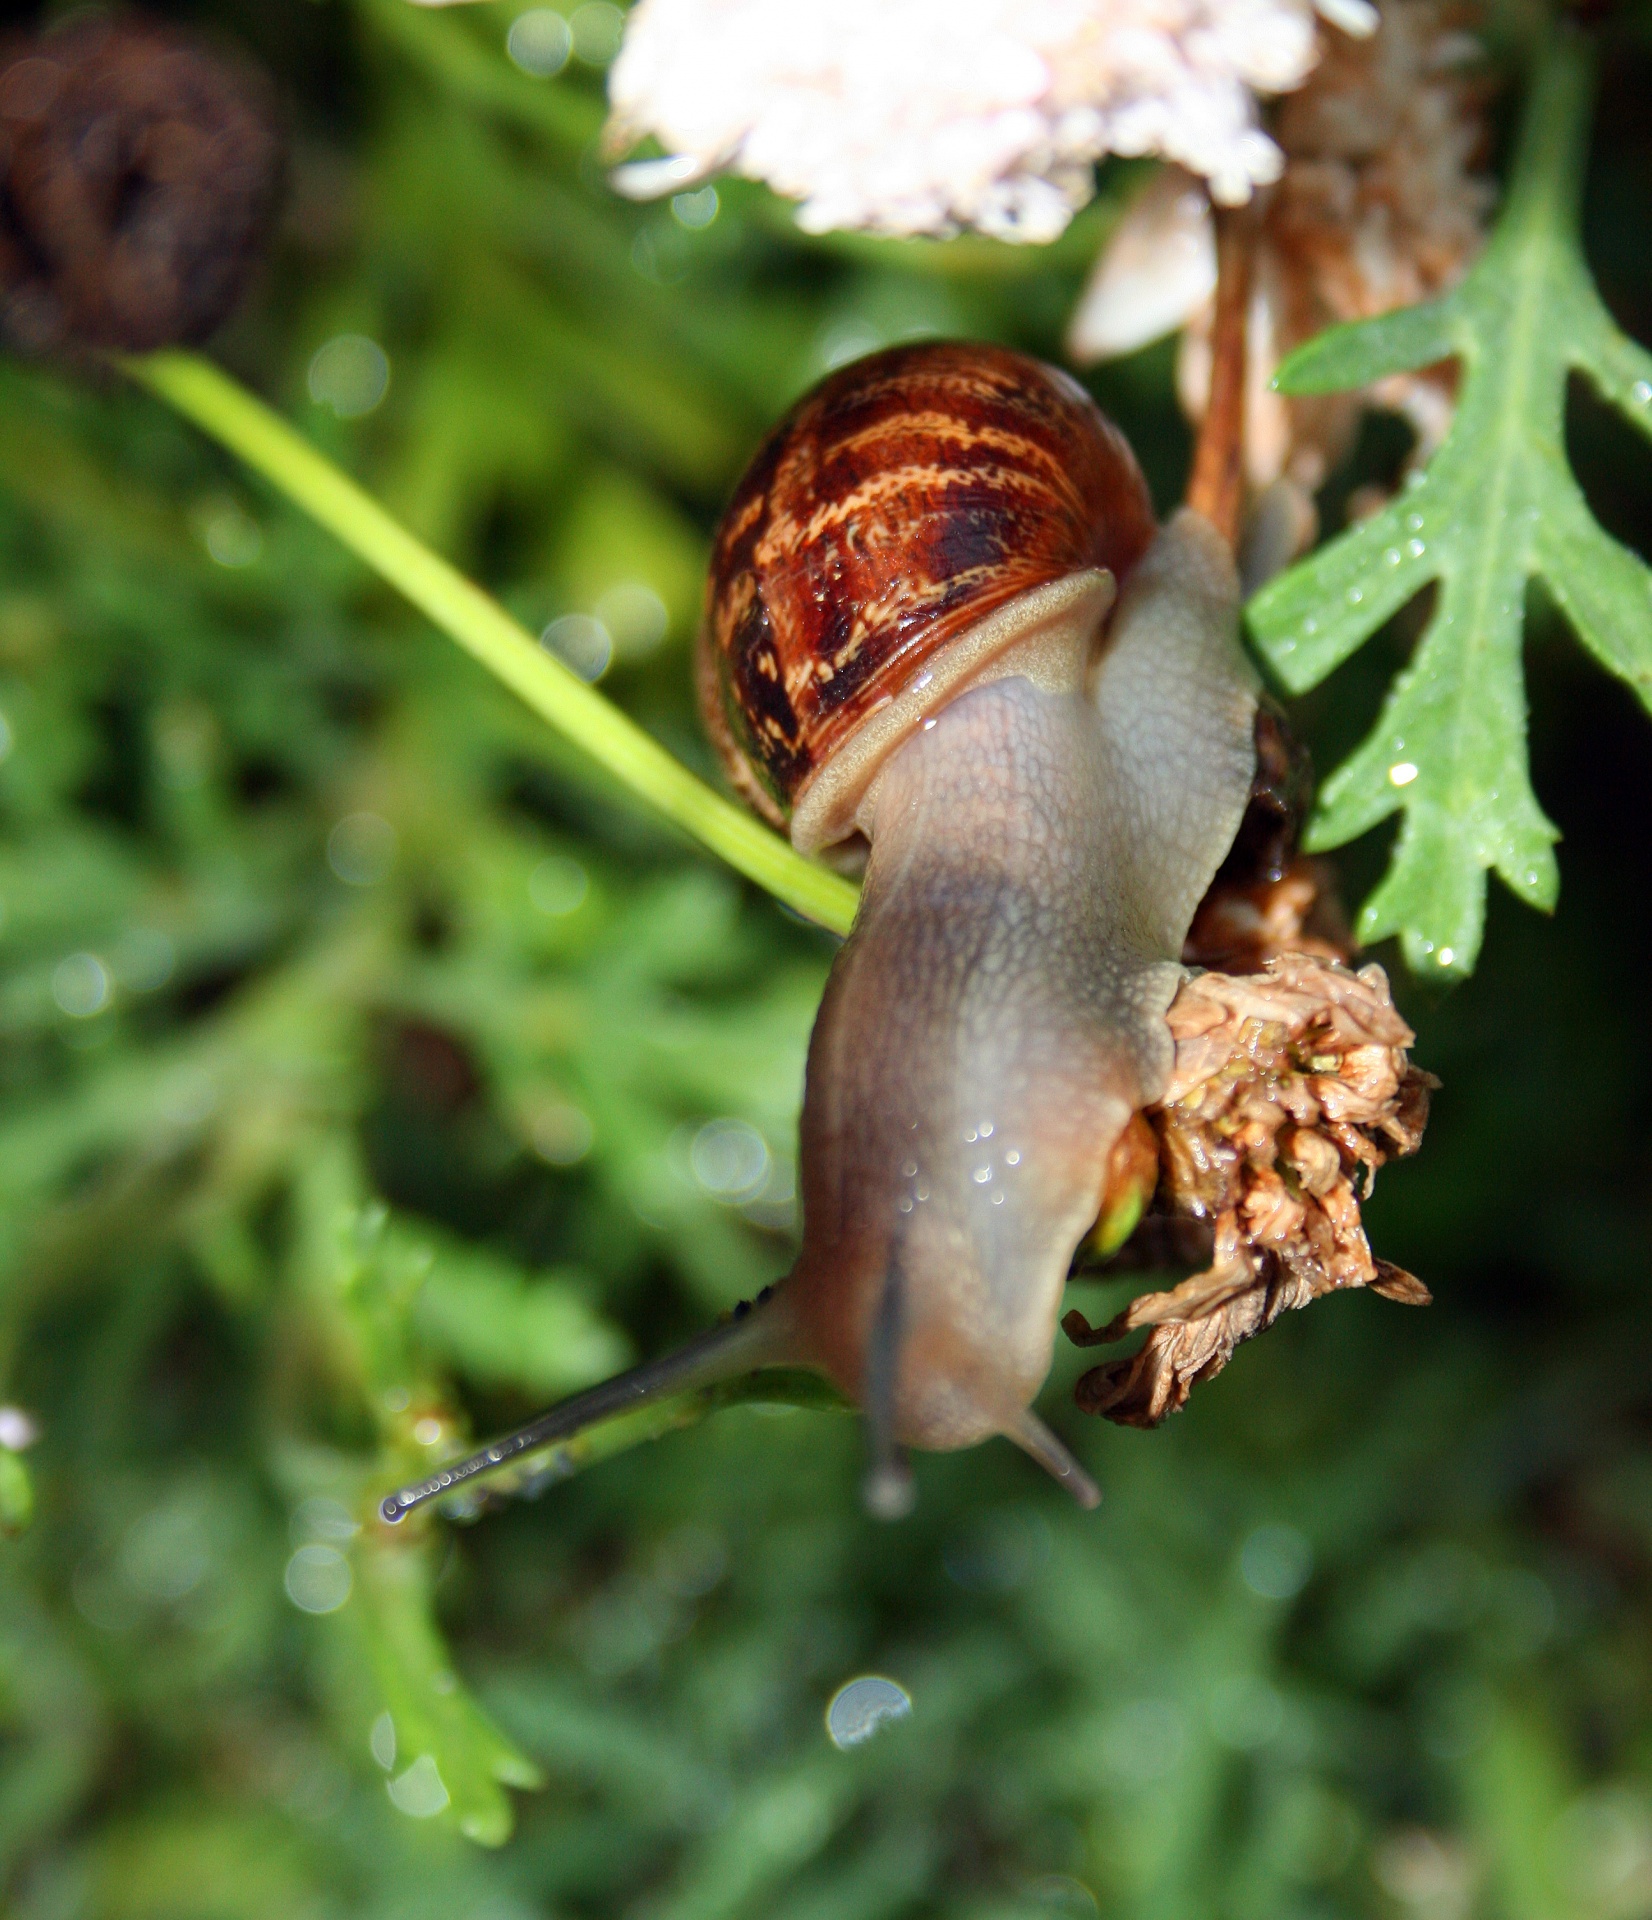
(923, 116)
(649, 179)
(1157, 269)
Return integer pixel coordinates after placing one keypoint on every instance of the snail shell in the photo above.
(899, 505)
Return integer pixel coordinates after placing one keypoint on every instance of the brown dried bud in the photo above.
(1288, 1082)
(138, 177)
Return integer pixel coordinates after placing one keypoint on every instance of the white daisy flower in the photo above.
(930, 116)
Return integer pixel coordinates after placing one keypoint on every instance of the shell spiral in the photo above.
(903, 499)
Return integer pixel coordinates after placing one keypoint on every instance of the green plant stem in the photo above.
(206, 395)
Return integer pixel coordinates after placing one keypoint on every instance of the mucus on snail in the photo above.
(942, 622)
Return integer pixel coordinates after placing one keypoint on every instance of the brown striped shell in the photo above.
(901, 501)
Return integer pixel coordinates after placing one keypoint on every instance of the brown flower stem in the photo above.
(1216, 486)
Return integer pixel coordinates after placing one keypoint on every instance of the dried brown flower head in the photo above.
(1291, 1085)
(1379, 206)
(138, 176)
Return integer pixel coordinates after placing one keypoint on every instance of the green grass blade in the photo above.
(206, 395)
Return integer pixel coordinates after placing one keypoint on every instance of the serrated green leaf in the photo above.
(445, 1756)
(1496, 508)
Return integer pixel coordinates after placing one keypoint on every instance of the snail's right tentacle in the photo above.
(760, 1336)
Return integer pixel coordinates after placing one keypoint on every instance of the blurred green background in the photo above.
(369, 1075)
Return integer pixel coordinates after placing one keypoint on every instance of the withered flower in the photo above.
(138, 177)
(1291, 1086)
(1380, 205)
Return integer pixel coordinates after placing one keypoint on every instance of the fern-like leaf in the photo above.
(1496, 507)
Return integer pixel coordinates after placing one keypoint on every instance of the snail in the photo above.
(943, 629)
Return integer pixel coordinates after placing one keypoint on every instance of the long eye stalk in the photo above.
(758, 1337)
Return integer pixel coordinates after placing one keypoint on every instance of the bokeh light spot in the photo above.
(361, 849)
(561, 1133)
(635, 616)
(597, 30)
(1275, 1562)
(862, 1706)
(558, 885)
(539, 42)
(729, 1160)
(350, 374)
(581, 642)
(318, 1579)
(229, 533)
(696, 210)
(80, 985)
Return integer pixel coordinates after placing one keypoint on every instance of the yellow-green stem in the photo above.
(222, 408)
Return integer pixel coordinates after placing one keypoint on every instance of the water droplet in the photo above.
(1355, 595)
(1392, 557)
(1415, 548)
(1310, 625)
(982, 1175)
(1013, 1157)
(1402, 773)
(998, 1196)
(1446, 956)
(986, 1129)
(906, 1206)
(421, 1791)
(1641, 393)
(971, 1136)
(1415, 522)
(861, 1707)
(909, 1169)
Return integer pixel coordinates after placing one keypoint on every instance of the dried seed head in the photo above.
(1290, 1084)
(138, 176)
(1379, 206)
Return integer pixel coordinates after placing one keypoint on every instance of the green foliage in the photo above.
(16, 1494)
(368, 1076)
(1496, 507)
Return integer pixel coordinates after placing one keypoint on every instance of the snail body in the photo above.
(997, 1014)
(942, 627)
